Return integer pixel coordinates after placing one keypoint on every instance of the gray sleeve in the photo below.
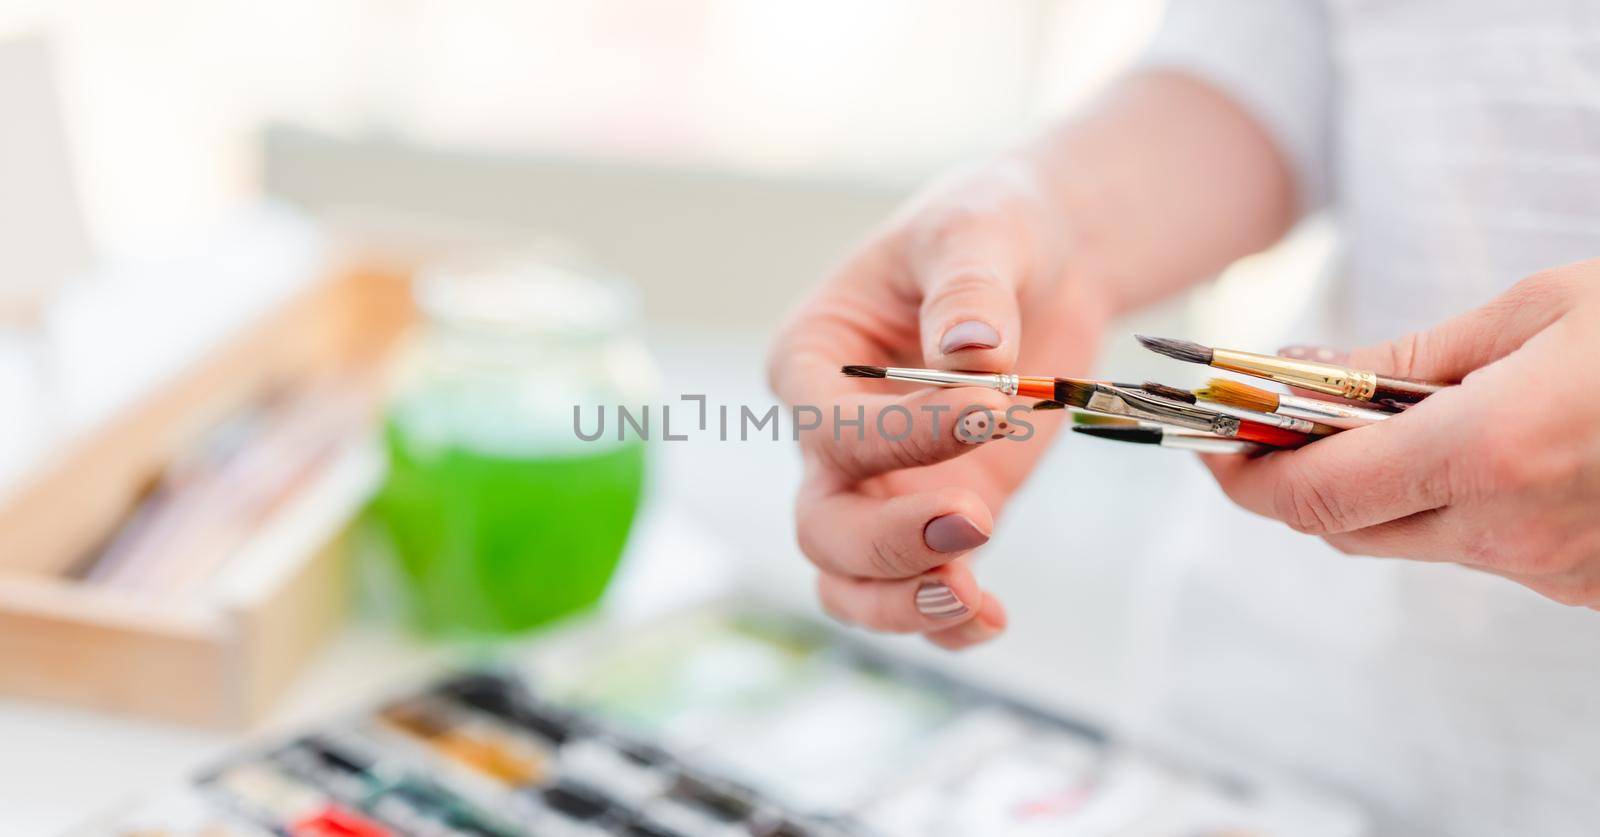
(1273, 57)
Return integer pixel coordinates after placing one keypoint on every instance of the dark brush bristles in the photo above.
(1180, 349)
(1137, 435)
(865, 371)
(1235, 394)
(1169, 393)
(1075, 393)
(1049, 405)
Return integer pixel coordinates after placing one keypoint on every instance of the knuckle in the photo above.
(1404, 354)
(888, 559)
(1301, 501)
(919, 447)
(943, 225)
(1506, 465)
(840, 456)
(961, 283)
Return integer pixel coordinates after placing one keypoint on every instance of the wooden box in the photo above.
(220, 659)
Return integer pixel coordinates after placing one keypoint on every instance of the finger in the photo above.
(969, 314)
(1457, 347)
(967, 277)
(865, 434)
(988, 623)
(849, 533)
(1320, 354)
(1425, 536)
(935, 601)
(1358, 478)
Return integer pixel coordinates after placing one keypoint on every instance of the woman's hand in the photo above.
(1501, 473)
(1014, 266)
(971, 276)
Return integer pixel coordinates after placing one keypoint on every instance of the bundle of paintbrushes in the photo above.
(1222, 417)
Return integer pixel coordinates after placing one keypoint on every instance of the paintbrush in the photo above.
(1095, 397)
(1298, 424)
(1172, 439)
(1222, 391)
(1326, 378)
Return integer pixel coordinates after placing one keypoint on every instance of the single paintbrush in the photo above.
(1246, 397)
(1172, 439)
(1326, 378)
(1286, 422)
(1095, 397)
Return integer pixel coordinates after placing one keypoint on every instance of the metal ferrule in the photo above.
(1004, 382)
(1278, 419)
(1209, 444)
(1115, 401)
(1343, 416)
(1325, 378)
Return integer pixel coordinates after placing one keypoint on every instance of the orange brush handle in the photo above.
(1037, 388)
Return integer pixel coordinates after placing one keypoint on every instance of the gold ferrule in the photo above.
(1325, 378)
(1366, 384)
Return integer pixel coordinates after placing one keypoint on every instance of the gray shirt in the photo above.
(1457, 144)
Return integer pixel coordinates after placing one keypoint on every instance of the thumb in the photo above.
(1453, 349)
(969, 316)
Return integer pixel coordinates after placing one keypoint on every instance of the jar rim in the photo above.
(525, 297)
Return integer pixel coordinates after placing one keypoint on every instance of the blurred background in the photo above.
(173, 172)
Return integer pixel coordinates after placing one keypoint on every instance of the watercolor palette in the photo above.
(717, 721)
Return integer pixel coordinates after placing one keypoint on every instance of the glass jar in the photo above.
(499, 516)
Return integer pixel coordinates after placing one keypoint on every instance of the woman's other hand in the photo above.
(1501, 473)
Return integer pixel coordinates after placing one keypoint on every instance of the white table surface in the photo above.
(719, 516)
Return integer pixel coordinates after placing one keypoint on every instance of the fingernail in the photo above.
(978, 427)
(1003, 428)
(972, 334)
(952, 533)
(936, 600)
(1321, 354)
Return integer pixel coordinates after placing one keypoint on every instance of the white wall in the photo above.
(164, 97)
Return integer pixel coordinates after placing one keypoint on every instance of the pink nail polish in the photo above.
(972, 334)
(977, 427)
(936, 600)
(953, 533)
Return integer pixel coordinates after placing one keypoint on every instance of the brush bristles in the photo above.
(1169, 393)
(1138, 435)
(1075, 393)
(1235, 394)
(1180, 349)
(865, 371)
(1049, 405)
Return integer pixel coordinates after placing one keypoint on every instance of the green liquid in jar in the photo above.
(494, 542)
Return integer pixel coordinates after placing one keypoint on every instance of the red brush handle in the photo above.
(1266, 434)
